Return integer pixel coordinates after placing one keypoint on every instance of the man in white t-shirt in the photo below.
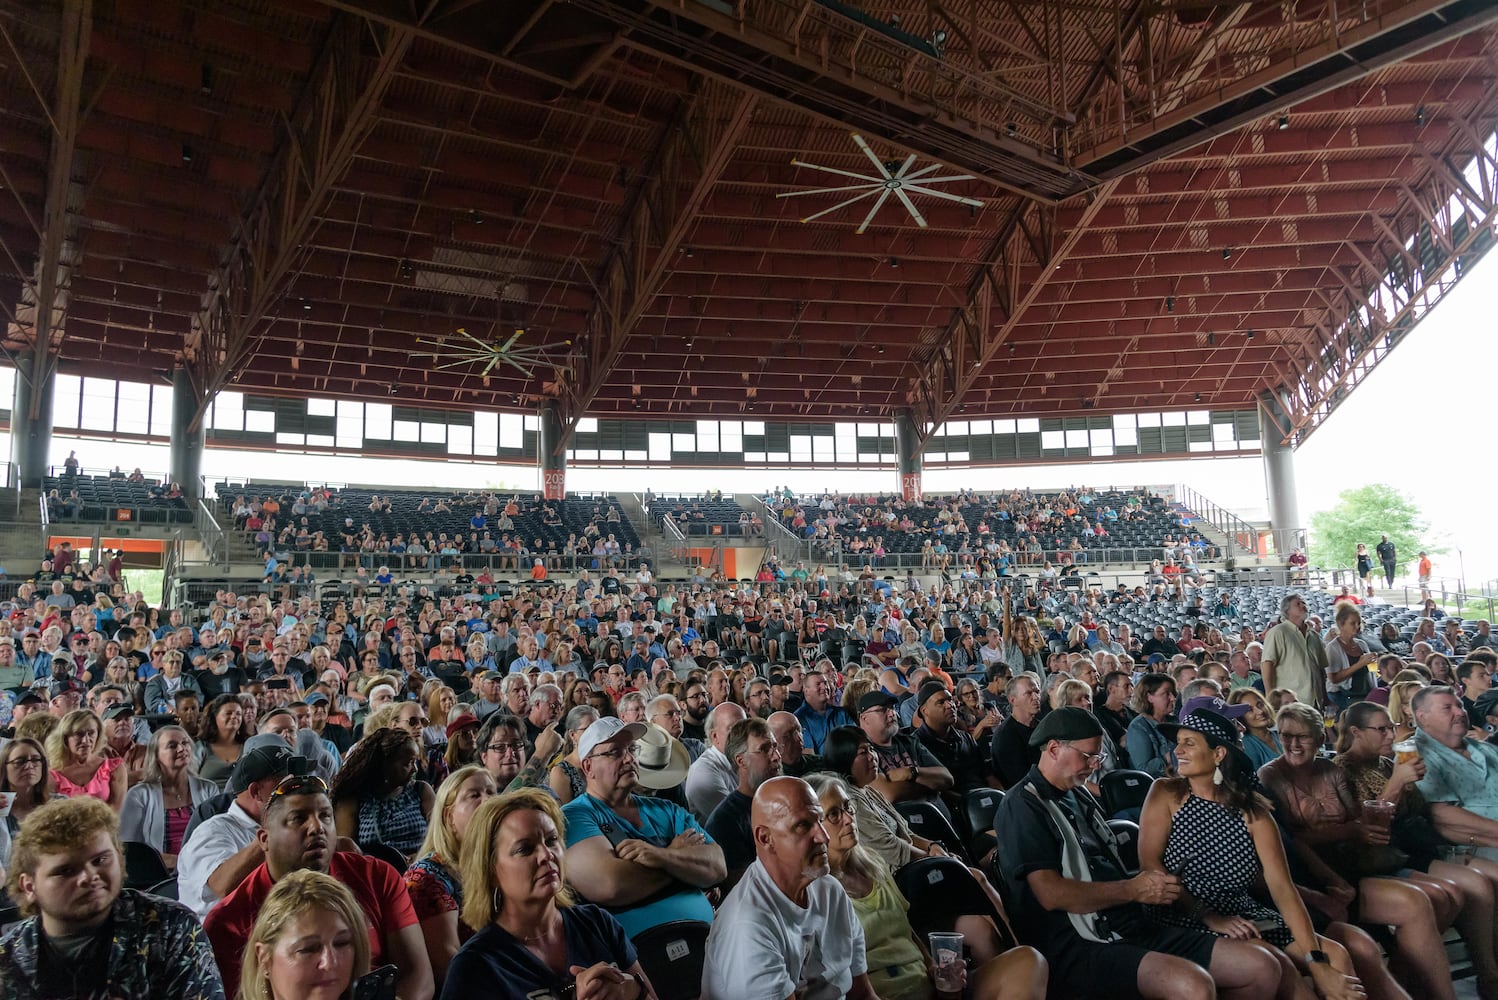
(788, 928)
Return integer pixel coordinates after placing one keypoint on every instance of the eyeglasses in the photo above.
(1298, 737)
(1093, 759)
(620, 753)
(505, 748)
(24, 762)
(675, 713)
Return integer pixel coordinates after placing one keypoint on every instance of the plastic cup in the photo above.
(7, 799)
(946, 955)
(1405, 751)
(1378, 813)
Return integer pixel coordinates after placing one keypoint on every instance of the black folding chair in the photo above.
(979, 805)
(146, 871)
(928, 821)
(1124, 790)
(672, 956)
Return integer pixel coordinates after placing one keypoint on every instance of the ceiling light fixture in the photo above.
(1420, 115)
(1284, 122)
(186, 153)
(894, 262)
(1170, 303)
(1198, 397)
(1227, 253)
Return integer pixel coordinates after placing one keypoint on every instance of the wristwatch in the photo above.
(1318, 958)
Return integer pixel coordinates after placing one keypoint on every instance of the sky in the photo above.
(1418, 422)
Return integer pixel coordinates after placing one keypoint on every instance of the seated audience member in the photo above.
(663, 764)
(1155, 702)
(566, 777)
(818, 713)
(786, 929)
(666, 712)
(377, 798)
(1313, 799)
(310, 942)
(223, 848)
(221, 738)
(1260, 741)
(913, 772)
(432, 880)
(78, 762)
(881, 828)
(899, 963)
(1212, 828)
(756, 759)
(1009, 754)
(643, 857)
(297, 833)
(1075, 901)
(795, 759)
(529, 938)
(940, 735)
(23, 770)
(157, 810)
(161, 690)
(502, 748)
(83, 934)
(713, 776)
(1459, 780)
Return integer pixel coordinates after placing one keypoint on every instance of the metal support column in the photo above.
(1279, 475)
(31, 437)
(187, 440)
(908, 455)
(553, 462)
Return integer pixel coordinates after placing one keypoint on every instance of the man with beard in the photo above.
(795, 759)
(912, 772)
(84, 935)
(954, 749)
(644, 859)
(787, 929)
(757, 699)
(695, 703)
(752, 748)
(666, 712)
(297, 834)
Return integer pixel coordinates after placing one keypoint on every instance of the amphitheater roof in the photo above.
(1170, 204)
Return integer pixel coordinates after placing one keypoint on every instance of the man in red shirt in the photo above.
(297, 833)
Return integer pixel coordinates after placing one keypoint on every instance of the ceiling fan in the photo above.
(470, 350)
(892, 179)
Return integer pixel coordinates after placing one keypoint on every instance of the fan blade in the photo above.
(974, 202)
(877, 205)
(947, 180)
(513, 337)
(920, 219)
(842, 204)
(848, 187)
(905, 166)
(878, 163)
(835, 170)
(914, 174)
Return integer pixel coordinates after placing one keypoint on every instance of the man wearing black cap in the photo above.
(1075, 901)
(911, 769)
(953, 748)
(27, 701)
(221, 850)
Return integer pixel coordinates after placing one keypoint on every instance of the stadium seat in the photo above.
(385, 853)
(1126, 833)
(1124, 790)
(979, 805)
(146, 871)
(939, 890)
(926, 820)
(672, 956)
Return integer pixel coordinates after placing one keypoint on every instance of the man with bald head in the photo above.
(787, 929)
(713, 776)
(795, 759)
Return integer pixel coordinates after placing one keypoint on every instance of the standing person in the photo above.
(1294, 656)
(1365, 568)
(86, 936)
(1387, 558)
(1422, 569)
(1348, 659)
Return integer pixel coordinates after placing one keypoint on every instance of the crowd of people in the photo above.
(507, 794)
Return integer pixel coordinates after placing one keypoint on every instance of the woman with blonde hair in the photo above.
(1401, 710)
(80, 761)
(1260, 742)
(310, 942)
(432, 880)
(528, 935)
(157, 810)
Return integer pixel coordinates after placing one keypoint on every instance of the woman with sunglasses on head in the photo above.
(376, 796)
(1211, 827)
(1314, 799)
(530, 939)
(1365, 751)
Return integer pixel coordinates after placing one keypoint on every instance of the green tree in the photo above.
(1363, 515)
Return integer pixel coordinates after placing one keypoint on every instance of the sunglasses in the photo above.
(299, 784)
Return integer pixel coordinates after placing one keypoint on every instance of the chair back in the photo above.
(672, 955)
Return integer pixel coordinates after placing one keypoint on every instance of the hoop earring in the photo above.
(495, 901)
(1217, 775)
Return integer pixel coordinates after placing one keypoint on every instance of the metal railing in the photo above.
(1240, 536)
(46, 520)
(215, 541)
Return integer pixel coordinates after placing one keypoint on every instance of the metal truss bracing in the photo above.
(1013, 275)
(41, 316)
(320, 139)
(1443, 227)
(688, 161)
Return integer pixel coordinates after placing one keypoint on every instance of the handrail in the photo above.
(13, 480)
(46, 520)
(215, 542)
(1240, 535)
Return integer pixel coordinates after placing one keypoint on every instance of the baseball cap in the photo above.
(316, 698)
(1066, 724)
(606, 730)
(876, 699)
(266, 755)
(779, 680)
(115, 711)
(62, 686)
(492, 675)
(28, 697)
(461, 723)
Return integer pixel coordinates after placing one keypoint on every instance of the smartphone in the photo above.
(379, 984)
